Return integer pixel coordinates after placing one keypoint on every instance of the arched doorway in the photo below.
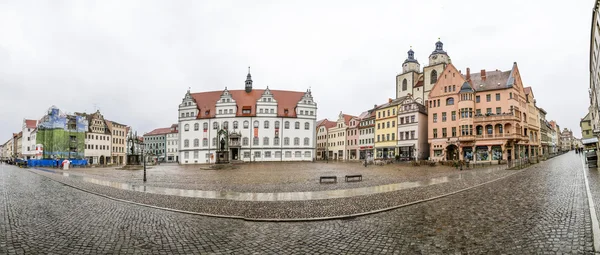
(101, 160)
(451, 152)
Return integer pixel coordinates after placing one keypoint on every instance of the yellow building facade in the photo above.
(386, 141)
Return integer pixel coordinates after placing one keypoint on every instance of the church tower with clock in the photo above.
(407, 80)
(438, 60)
(419, 84)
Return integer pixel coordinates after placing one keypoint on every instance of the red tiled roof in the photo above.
(174, 129)
(363, 115)
(286, 100)
(347, 118)
(319, 122)
(159, 131)
(326, 123)
(31, 123)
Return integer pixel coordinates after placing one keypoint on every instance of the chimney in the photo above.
(468, 77)
(483, 74)
(374, 106)
(389, 100)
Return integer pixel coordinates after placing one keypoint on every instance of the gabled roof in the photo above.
(494, 80)
(466, 88)
(286, 100)
(174, 129)
(419, 81)
(109, 124)
(396, 101)
(319, 122)
(31, 123)
(587, 117)
(326, 123)
(364, 115)
(528, 90)
(159, 131)
(347, 118)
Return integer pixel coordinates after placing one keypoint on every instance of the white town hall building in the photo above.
(250, 124)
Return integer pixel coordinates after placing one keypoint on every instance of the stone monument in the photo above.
(133, 158)
(223, 152)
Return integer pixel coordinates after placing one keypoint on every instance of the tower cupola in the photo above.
(411, 57)
(410, 64)
(248, 82)
(439, 47)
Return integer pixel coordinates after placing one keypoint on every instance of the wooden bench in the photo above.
(354, 177)
(332, 178)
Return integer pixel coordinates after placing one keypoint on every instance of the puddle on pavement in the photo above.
(276, 196)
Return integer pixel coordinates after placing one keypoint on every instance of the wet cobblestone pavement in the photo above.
(272, 176)
(541, 210)
(289, 210)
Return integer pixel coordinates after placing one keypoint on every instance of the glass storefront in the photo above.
(482, 153)
(496, 152)
(468, 153)
(407, 153)
(386, 153)
(366, 153)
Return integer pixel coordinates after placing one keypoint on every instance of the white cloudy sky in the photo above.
(136, 59)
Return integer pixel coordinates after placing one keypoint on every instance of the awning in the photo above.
(590, 140)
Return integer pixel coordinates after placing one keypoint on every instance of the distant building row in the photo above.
(74, 136)
(443, 114)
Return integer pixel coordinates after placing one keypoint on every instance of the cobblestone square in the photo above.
(274, 176)
(540, 210)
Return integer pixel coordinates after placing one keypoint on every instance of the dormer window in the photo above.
(269, 99)
(207, 113)
(261, 110)
(285, 111)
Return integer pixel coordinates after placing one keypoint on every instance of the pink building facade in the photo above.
(353, 148)
(478, 117)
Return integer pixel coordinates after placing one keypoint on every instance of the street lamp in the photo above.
(144, 158)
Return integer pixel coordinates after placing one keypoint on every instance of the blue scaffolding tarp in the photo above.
(54, 163)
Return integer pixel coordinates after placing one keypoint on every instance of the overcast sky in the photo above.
(135, 60)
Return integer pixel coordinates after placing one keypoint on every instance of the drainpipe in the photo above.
(251, 125)
(280, 140)
(209, 140)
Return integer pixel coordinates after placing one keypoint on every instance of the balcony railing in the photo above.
(499, 135)
(467, 137)
(495, 117)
